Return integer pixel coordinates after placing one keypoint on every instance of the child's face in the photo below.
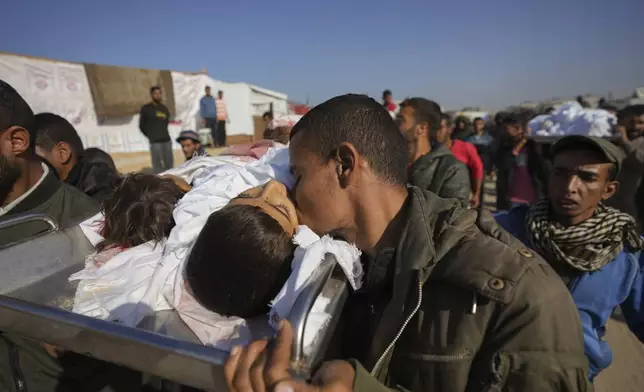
(273, 199)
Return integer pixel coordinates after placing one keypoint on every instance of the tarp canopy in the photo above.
(63, 88)
(119, 91)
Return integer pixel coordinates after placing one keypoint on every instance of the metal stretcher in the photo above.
(35, 299)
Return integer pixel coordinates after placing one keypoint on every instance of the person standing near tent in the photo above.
(208, 111)
(222, 119)
(153, 123)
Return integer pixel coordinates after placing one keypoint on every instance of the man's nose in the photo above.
(573, 184)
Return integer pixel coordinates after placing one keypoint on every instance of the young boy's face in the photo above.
(273, 199)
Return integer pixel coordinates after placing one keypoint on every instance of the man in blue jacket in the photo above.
(208, 111)
(595, 249)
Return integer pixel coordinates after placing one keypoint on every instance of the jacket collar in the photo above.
(423, 242)
(43, 192)
(75, 175)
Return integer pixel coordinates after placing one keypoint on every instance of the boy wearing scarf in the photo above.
(595, 249)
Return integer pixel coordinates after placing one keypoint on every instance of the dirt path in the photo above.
(136, 161)
(626, 374)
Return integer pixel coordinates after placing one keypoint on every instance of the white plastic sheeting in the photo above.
(261, 100)
(62, 88)
(49, 86)
(573, 119)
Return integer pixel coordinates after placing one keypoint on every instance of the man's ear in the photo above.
(610, 189)
(421, 129)
(346, 159)
(20, 140)
(62, 152)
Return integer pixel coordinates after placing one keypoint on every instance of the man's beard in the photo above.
(9, 175)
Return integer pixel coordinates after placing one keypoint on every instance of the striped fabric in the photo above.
(587, 246)
(222, 112)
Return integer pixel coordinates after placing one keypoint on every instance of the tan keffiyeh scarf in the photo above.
(587, 246)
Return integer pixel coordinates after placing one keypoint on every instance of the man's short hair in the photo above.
(512, 119)
(52, 129)
(447, 118)
(498, 117)
(630, 111)
(154, 88)
(240, 261)
(386, 93)
(96, 154)
(478, 119)
(15, 112)
(425, 111)
(220, 92)
(363, 122)
(139, 210)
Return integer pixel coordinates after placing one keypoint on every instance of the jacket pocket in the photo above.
(441, 371)
(457, 356)
(496, 376)
(532, 372)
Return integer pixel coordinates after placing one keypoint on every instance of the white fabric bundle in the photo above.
(142, 280)
(573, 119)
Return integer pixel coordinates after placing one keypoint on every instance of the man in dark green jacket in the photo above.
(453, 303)
(27, 185)
(433, 167)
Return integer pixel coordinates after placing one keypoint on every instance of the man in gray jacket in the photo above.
(432, 165)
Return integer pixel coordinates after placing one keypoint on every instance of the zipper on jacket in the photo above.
(402, 328)
(447, 358)
(14, 360)
(474, 303)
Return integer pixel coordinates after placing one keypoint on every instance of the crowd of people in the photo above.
(453, 297)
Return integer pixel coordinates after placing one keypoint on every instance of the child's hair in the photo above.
(139, 210)
(279, 134)
(240, 261)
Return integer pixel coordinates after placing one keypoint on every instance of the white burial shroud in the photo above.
(148, 278)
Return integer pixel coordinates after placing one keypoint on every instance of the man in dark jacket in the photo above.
(153, 123)
(433, 166)
(522, 171)
(630, 196)
(58, 142)
(454, 302)
(27, 185)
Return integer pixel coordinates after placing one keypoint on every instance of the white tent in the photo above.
(62, 88)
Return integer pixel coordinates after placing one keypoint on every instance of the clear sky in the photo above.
(458, 52)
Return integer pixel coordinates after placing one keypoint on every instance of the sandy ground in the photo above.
(141, 161)
(626, 374)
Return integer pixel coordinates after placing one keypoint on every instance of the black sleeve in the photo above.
(143, 119)
(100, 182)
